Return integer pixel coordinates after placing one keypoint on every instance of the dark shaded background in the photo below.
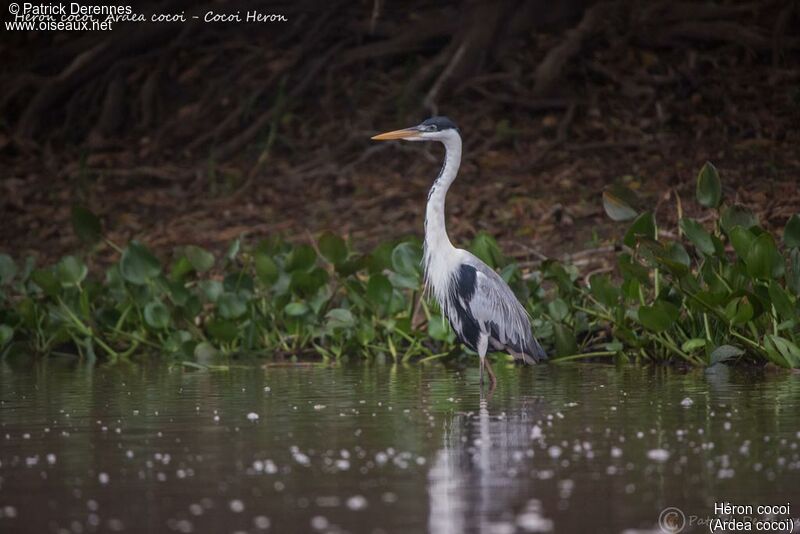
(199, 133)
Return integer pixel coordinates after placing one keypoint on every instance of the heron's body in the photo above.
(483, 311)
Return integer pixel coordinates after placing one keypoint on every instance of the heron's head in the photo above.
(433, 129)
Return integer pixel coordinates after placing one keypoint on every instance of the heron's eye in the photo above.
(430, 128)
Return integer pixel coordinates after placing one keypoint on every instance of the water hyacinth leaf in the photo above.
(180, 268)
(603, 290)
(485, 247)
(616, 208)
(156, 315)
(222, 330)
(698, 235)
(558, 309)
(8, 269)
(296, 309)
(200, 259)
(781, 301)
(723, 353)
(658, 317)
(333, 248)
(233, 250)
(793, 275)
(741, 240)
(782, 351)
(340, 318)
(739, 310)
(565, 342)
(791, 233)
(675, 257)
(266, 268)
(212, 289)
(47, 282)
(763, 258)
(736, 215)
(6, 333)
(231, 305)
(138, 265)
(439, 328)
(86, 225)
(709, 188)
(406, 260)
(302, 258)
(643, 226)
(380, 258)
(693, 344)
(379, 291)
(306, 283)
(71, 271)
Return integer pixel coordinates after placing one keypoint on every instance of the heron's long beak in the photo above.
(397, 134)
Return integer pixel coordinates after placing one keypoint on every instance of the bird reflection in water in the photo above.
(473, 484)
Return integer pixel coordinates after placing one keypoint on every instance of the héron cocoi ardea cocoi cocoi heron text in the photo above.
(483, 311)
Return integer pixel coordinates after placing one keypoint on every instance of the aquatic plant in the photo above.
(713, 291)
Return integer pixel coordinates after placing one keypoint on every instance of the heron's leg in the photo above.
(483, 344)
(492, 378)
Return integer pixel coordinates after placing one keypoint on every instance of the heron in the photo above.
(482, 310)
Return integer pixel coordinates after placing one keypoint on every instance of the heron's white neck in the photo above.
(438, 248)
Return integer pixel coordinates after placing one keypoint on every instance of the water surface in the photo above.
(381, 448)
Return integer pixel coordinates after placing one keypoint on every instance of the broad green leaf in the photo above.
(222, 330)
(233, 249)
(340, 318)
(8, 269)
(200, 259)
(380, 258)
(788, 353)
(333, 248)
(487, 250)
(782, 302)
(643, 226)
(407, 259)
(739, 310)
(763, 258)
(724, 352)
(302, 258)
(616, 208)
(86, 225)
(156, 315)
(791, 234)
(558, 309)
(691, 345)
(741, 240)
(266, 268)
(675, 257)
(296, 309)
(6, 333)
(180, 268)
(379, 291)
(46, 280)
(231, 305)
(736, 215)
(603, 290)
(698, 236)
(709, 188)
(564, 337)
(138, 265)
(71, 271)
(212, 289)
(793, 275)
(658, 317)
(439, 328)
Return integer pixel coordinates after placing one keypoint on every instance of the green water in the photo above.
(381, 448)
